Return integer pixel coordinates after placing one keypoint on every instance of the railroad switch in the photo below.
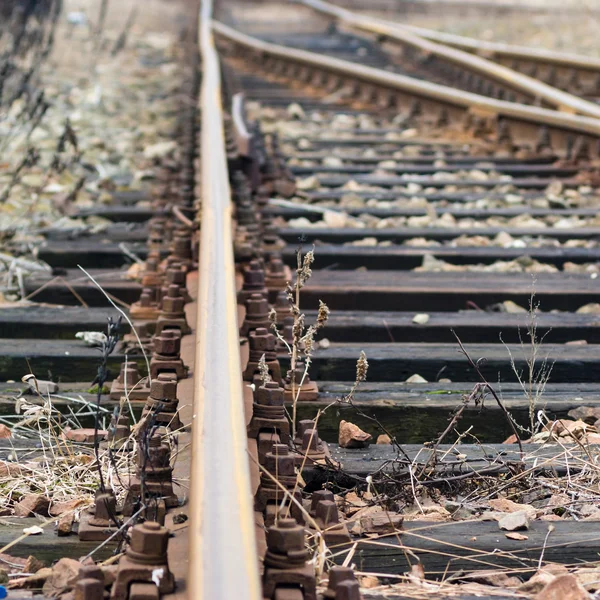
(308, 445)
(161, 405)
(144, 561)
(342, 584)
(172, 314)
(262, 343)
(324, 511)
(98, 524)
(254, 281)
(298, 385)
(268, 414)
(129, 383)
(165, 358)
(153, 465)
(257, 314)
(286, 561)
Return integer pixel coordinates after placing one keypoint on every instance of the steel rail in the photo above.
(494, 50)
(424, 89)
(537, 90)
(223, 555)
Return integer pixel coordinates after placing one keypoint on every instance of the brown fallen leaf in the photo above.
(513, 535)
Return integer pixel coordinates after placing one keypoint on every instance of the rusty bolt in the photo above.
(280, 461)
(175, 274)
(261, 340)
(129, 372)
(286, 536)
(269, 394)
(303, 425)
(88, 589)
(319, 496)
(348, 590)
(327, 512)
(149, 543)
(173, 302)
(310, 440)
(257, 306)
(254, 275)
(167, 344)
(164, 387)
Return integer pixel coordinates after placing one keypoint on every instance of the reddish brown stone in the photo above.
(65, 524)
(85, 435)
(33, 565)
(32, 504)
(58, 508)
(5, 432)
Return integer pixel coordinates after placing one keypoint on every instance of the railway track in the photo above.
(358, 295)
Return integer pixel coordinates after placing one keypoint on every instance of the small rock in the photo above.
(514, 521)
(62, 572)
(421, 319)
(511, 307)
(352, 436)
(564, 587)
(32, 504)
(513, 535)
(508, 506)
(383, 439)
(383, 522)
(92, 338)
(5, 431)
(587, 309)
(324, 343)
(59, 508)
(33, 565)
(295, 111)
(416, 378)
(160, 150)
(39, 386)
(368, 582)
(65, 524)
(84, 436)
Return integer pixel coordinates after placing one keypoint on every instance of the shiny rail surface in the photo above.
(223, 561)
(534, 90)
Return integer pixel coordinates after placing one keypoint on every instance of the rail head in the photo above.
(480, 105)
(223, 555)
(502, 50)
(529, 86)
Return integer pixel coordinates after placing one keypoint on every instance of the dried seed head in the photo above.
(362, 366)
(323, 314)
(263, 370)
(273, 316)
(308, 343)
(298, 328)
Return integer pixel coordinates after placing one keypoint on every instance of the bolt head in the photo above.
(286, 536)
(150, 539)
